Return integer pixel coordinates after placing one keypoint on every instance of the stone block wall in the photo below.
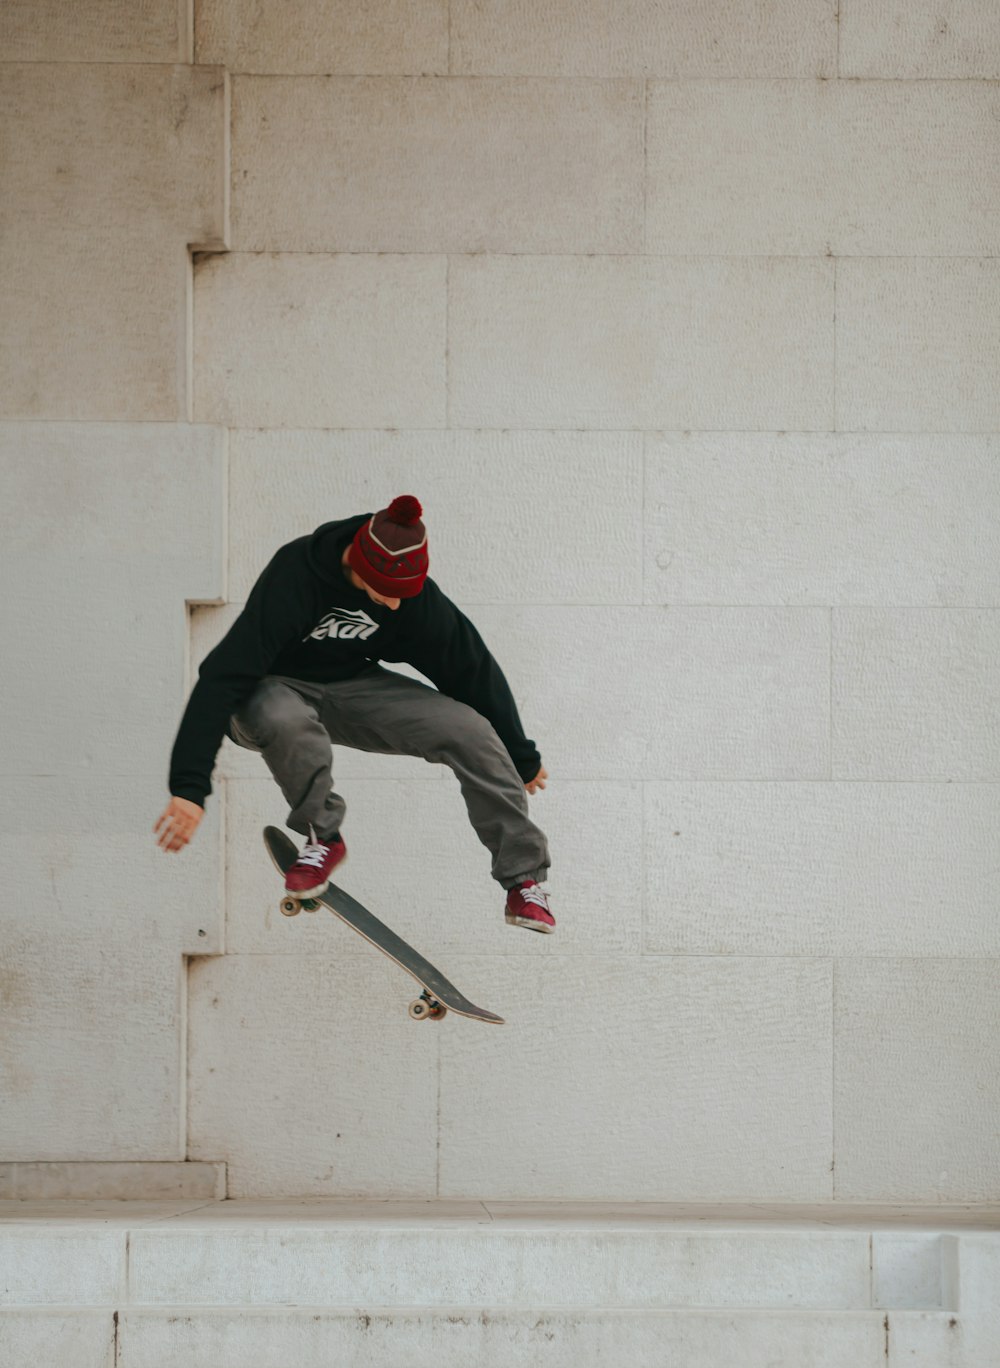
(681, 321)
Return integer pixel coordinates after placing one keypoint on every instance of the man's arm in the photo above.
(448, 649)
(275, 614)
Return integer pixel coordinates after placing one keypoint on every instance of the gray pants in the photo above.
(294, 725)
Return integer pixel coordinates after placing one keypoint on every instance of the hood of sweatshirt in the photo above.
(325, 548)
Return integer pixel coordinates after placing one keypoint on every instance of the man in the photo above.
(298, 672)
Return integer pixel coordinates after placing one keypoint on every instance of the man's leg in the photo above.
(281, 720)
(390, 713)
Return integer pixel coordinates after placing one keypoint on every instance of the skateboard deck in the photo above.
(439, 996)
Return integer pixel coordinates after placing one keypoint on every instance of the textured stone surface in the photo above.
(548, 1338)
(823, 518)
(60, 1265)
(115, 1182)
(343, 1059)
(95, 601)
(123, 146)
(320, 341)
(644, 38)
(78, 1339)
(969, 1339)
(642, 1079)
(807, 168)
(915, 694)
(920, 38)
(918, 345)
(120, 358)
(915, 1035)
(913, 1269)
(296, 1066)
(822, 869)
(462, 165)
(95, 31)
(569, 504)
(647, 693)
(324, 36)
(91, 974)
(492, 1266)
(118, 169)
(620, 342)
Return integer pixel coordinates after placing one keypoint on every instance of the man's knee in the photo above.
(271, 709)
(471, 739)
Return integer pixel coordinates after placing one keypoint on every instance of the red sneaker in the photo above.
(528, 905)
(310, 874)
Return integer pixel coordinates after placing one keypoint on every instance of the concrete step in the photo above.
(263, 1284)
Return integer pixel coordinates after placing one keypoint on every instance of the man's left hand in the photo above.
(539, 780)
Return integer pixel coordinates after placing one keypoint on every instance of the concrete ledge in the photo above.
(558, 1285)
(436, 1254)
(499, 1265)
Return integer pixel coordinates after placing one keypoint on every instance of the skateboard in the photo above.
(439, 995)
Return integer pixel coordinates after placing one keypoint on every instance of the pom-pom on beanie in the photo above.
(389, 551)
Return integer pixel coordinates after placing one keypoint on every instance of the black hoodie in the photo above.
(304, 619)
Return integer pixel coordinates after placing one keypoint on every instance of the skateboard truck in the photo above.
(426, 1008)
(291, 907)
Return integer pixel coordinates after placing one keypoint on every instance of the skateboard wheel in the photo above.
(289, 907)
(437, 1012)
(419, 1009)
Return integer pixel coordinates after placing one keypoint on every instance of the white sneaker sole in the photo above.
(529, 924)
(307, 892)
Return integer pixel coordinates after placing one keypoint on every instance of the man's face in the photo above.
(373, 594)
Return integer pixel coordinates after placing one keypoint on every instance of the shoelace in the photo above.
(534, 894)
(313, 855)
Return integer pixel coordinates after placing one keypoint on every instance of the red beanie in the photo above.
(389, 551)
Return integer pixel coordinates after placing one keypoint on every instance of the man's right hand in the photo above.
(178, 823)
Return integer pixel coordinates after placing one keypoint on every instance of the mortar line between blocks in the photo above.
(643, 521)
(836, 414)
(836, 15)
(185, 32)
(184, 1052)
(833, 1076)
(447, 342)
(830, 699)
(187, 370)
(226, 509)
(644, 831)
(963, 433)
(573, 78)
(437, 1132)
(508, 255)
(645, 168)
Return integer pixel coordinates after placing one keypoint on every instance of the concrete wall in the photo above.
(682, 322)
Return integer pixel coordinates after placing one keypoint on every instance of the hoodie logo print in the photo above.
(344, 625)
